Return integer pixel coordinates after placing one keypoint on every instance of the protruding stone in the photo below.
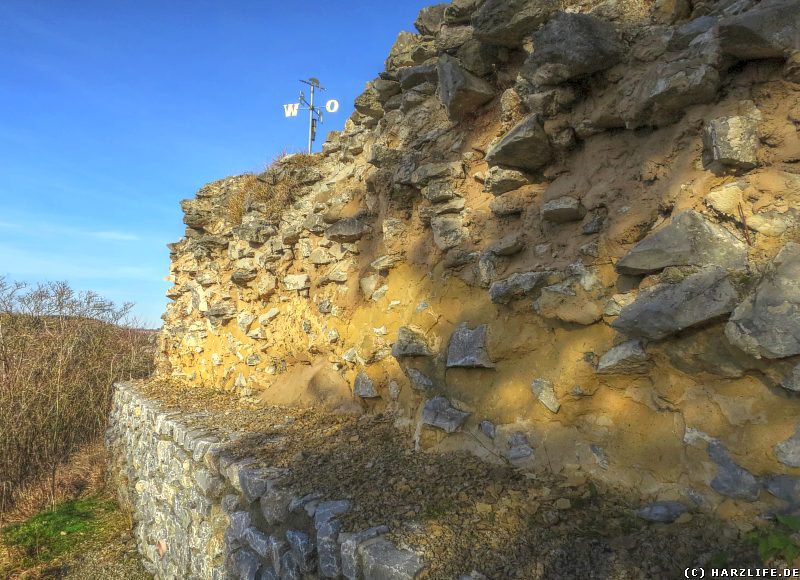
(275, 504)
(525, 147)
(302, 548)
(414, 76)
(784, 487)
(768, 30)
(546, 394)
(430, 19)
(488, 428)
(321, 256)
(425, 174)
(664, 92)
(410, 342)
(247, 564)
(731, 479)
(348, 230)
(468, 348)
(508, 245)
(626, 359)
(296, 282)
(510, 204)
(572, 45)
(788, 451)
(731, 143)
(500, 180)
(383, 561)
(461, 91)
(448, 231)
(562, 210)
(277, 548)
(507, 22)
(242, 276)
(767, 323)
(519, 447)
(662, 511)
(520, 285)
(689, 240)
(439, 413)
(253, 483)
(664, 309)
(419, 380)
(364, 387)
(792, 381)
(257, 540)
(351, 562)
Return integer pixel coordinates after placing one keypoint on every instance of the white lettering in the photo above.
(291, 110)
(332, 106)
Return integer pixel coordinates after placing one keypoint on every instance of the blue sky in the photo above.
(111, 111)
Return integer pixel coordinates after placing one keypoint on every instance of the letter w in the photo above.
(291, 110)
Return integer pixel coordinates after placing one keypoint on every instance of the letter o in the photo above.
(332, 106)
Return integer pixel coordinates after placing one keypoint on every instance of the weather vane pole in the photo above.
(314, 112)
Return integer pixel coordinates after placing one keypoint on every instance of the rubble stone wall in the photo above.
(200, 512)
(570, 235)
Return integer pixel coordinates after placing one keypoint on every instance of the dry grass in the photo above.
(60, 352)
(97, 540)
(273, 190)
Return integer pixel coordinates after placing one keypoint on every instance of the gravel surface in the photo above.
(459, 512)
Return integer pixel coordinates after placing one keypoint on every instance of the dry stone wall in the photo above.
(201, 512)
(569, 232)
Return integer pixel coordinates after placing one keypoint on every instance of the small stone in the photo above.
(500, 180)
(303, 550)
(545, 392)
(488, 428)
(563, 504)
(563, 210)
(792, 381)
(411, 342)
(732, 480)
(297, 282)
(439, 413)
(448, 231)
(419, 381)
(626, 358)
(508, 246)
(468, 348)
(662, 511)
(364, 387)
(382, 560)
(518, 286)
(510, 204)
(788, 451)
(525, 147)
(461, 91)
(519, 447)
(351, 563)
(347, 230)
(731, 142)
(767, 323)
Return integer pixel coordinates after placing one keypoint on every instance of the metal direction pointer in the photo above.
(314, 112)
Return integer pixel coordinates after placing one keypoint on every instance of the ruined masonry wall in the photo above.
(201, 514)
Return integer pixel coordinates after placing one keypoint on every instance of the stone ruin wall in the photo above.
(569, 238)
(203, 511)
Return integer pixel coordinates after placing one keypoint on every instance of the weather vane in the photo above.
(314, 113)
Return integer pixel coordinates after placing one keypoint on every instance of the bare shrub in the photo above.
(60, 352)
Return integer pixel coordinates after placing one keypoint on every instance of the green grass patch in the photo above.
(52, 534)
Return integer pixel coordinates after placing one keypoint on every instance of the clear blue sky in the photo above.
(111, 111)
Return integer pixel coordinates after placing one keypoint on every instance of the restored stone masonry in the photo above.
(200, 513)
